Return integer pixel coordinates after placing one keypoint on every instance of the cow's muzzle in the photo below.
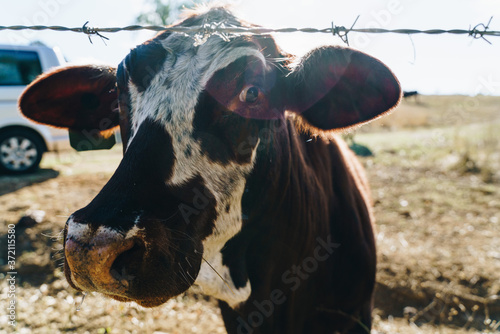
(103, 261)
(141, 265)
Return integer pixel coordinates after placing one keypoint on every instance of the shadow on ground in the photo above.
(11, 183)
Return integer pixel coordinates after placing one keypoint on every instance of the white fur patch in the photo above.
(82, 233)
(134, 231)
(77, 230)
(210, 283)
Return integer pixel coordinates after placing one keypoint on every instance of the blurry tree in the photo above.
(163, 12)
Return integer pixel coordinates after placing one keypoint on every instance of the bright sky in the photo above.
(431, 64)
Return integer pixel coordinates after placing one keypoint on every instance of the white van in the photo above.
(22, 142)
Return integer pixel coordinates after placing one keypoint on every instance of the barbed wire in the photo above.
(478, 31)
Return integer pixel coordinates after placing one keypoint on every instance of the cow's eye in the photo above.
(249, 94)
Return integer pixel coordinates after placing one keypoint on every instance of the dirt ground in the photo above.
(435, 178)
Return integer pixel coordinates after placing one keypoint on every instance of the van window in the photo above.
(18, 67)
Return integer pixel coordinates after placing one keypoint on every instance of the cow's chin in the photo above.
(152, 302)
(144, 301)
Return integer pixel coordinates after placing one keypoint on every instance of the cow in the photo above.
(407, 95)
(233, 181)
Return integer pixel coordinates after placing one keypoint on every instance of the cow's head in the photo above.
(191, 120)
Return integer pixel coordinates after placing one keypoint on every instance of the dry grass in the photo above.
(436, 190)
(438, 111)
(436, 186)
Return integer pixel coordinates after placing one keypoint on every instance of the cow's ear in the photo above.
(335, 88)
(80, 98)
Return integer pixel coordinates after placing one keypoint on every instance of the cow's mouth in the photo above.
(116, 292)
(145, 290)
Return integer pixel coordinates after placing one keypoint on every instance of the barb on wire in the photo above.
(476, 33)
(343, 31)
(479, 31)
(92, 31)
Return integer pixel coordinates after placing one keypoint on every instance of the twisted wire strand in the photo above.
(479, 31)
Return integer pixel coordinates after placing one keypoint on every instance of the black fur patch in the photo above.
(138, 184)
(144, 62)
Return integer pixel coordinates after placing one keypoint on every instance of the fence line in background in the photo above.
(478, 31)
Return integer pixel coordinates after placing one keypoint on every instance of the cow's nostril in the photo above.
(126, 265)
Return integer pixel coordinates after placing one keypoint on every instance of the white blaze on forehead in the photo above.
(174, 104)
(228, 57)
(187, 74)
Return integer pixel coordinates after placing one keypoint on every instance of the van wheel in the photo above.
(20, 151)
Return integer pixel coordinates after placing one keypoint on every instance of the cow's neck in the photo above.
(275, 221)
(285, 182)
